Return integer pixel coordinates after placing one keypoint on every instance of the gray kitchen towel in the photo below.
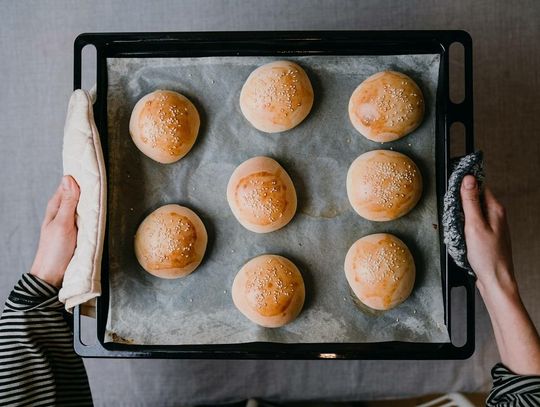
(453, 216)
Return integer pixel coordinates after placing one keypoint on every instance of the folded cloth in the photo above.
(83, 160)
(453, 217)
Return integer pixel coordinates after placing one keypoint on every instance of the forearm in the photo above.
(489, 253)
(516, 336)
(37, 360)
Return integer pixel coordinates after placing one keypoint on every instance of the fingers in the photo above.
(495, 211)
(53, 205)
(470, 199)
(69, 200)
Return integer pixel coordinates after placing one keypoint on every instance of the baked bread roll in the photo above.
(261, 195)
(380, 270)
(276, 96)
(164, 125)
(383, 185)
(269, 290)
(170, 242)
(386, 106)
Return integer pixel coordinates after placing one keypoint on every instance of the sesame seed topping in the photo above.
(386, 180)
(381, 265)
(172, 242)
(278, 88)
(262, 196)
(273, 285)
(161, 122)
(395, 105)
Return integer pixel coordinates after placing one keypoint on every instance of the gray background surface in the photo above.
(36, 52)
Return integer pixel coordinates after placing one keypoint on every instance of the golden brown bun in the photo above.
(261, 195)
(269, 290)
(383, 185)
(164, 125)
(386, 106)
(276, 96)
(170, 242)
(380, 270)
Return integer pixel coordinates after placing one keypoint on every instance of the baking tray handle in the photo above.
(461, 112)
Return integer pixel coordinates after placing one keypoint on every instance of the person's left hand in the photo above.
(58, 234)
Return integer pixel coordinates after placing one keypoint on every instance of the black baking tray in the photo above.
(281, 44)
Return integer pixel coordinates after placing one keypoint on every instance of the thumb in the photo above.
(69, 200)
(470, 199)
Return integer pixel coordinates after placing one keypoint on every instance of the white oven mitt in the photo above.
(83, 160)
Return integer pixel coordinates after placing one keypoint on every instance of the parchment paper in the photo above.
(198, 309)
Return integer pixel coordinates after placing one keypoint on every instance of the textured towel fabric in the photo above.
(83, 160)
(453, 216)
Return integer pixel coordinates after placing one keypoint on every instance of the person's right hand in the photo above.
(490, 256)
(487, 237)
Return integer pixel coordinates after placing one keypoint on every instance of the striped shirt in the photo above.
(38, 366)
(512, 390)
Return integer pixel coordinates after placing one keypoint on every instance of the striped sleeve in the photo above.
(38, 366)
(510, 389)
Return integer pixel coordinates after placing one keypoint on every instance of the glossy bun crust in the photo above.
(170, 242)
(261, 195)
(383, 185)
(164, 125)
(380, 270)
(269, 290)
(386, 106)
(276, 97)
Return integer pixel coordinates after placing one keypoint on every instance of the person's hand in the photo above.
(490, 256)
(58, 234)
(487, 236)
